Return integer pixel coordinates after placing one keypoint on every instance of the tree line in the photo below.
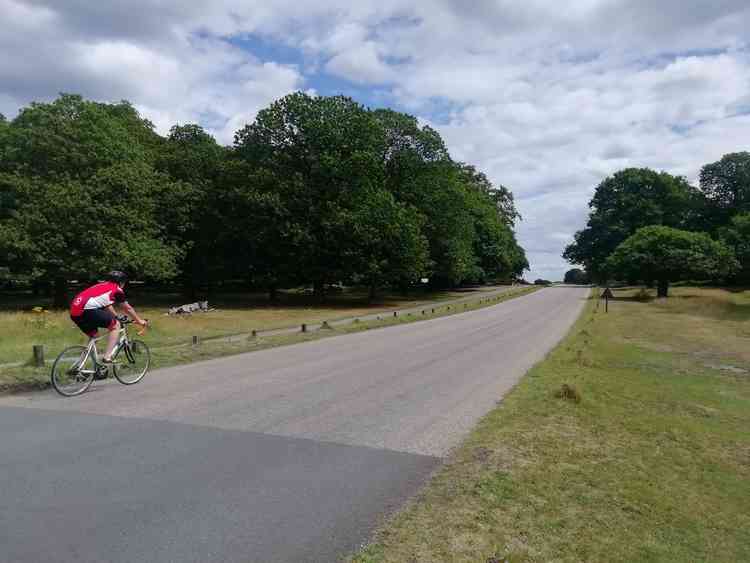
(652, 227)
(316, 190)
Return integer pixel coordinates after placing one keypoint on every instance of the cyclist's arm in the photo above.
(128, 308)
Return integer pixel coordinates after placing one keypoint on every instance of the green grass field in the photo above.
(646, 457)
(169, 336)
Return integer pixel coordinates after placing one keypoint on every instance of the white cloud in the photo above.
(546, 100)
(172, 75)
(361, 64)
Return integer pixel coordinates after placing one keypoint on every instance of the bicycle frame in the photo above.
(91, 349)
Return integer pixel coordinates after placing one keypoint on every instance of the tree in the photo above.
(736, 236)
(190, 210)
(623, 203)
(390, 246)
(408, 151)
(322, 159)
(80, 180)
(576, 276)
(497, 253)
(667, 255)
(726, 187)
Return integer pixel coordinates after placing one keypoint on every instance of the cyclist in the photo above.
(93, 309)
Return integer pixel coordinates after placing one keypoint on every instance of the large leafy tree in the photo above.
(390, 247)
(667, 255)
(496, 250)
(190, 210)
(321, 160)
(80, 180)
(441, 195)
(262, 237)
(623, 203)
(726, 187)
(576, 276)
(736, 236)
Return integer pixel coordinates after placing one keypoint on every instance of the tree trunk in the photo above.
(319, 290)
(373, 292)
(188, 289)
(663, 288)
(61, 293)
(273, 294)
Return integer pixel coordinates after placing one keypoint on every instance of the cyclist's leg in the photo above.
(88, 326)
(102, 318)
(112, 338)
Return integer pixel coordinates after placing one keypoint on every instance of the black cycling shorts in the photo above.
(93, 319)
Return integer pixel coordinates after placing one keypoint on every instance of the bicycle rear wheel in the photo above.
(70, 376)
(134, 363)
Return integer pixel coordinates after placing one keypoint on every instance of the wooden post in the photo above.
(304, 327)
(38, 355)
(395, 314)
(607, 294)
(195, 340)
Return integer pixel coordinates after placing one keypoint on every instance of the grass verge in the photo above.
(165, 353)
(630, 442)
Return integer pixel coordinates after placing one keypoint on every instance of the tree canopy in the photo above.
(623, 203)
(668, 255)
(80, 187)
(576, 276)
(726, 186)
(736, 235)
(316, 190)
(635, 198)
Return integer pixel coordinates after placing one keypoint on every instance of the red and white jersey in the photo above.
(96, 297)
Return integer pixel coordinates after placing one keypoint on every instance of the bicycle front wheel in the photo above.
(73, 371)
(134, 363)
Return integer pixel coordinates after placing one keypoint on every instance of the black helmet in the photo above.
(120, 278)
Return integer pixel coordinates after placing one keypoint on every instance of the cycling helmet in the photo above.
(120, 278)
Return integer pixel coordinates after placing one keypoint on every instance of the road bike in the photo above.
(76, 367)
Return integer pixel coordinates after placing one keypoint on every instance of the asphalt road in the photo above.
(288, 454)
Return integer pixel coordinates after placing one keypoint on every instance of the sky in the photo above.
(546, 98)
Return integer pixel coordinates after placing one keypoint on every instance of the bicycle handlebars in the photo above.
(125, 320)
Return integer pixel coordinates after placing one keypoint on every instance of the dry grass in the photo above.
(651, 465)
